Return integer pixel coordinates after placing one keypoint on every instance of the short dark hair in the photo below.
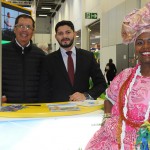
(25, 16)
(64, 22)
(110, 60)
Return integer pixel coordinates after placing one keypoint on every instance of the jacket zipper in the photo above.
(22, 50)
(23, 73)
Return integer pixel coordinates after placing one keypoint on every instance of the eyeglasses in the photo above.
(27, 27)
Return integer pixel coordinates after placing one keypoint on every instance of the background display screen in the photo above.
(9, 13)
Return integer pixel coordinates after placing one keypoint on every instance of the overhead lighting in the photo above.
(77, 43)
(77, 35)
(45, 8)
(42, 15)
(93, 43)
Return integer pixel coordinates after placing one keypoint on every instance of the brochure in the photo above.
(63, 107)
(90, 103)
(13, 107)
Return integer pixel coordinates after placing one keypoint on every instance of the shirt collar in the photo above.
(22, 46)
(63, 51)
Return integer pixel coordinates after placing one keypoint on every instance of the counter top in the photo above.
(38, 110)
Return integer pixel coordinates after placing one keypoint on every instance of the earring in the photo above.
(136, 57)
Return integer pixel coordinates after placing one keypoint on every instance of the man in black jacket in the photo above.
(21, 64)
(56, 83)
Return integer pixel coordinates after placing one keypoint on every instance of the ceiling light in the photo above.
(45, 8)
(77, 43)
(42, 15)
(77, 35)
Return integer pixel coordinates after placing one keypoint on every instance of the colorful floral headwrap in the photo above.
(135, 23)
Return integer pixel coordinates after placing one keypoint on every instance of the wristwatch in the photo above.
(87, 96)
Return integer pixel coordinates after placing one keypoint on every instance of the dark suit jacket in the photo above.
(55, 83)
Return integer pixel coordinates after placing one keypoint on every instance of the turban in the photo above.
(135, 23)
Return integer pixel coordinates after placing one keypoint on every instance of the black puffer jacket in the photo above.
(21, 72)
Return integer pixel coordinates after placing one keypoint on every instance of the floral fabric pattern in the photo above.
(106, 137)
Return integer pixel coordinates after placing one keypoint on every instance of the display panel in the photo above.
(9, 12)
(51, 133)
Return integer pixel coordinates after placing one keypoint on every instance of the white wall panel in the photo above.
(76, 13)
(90, 4)
(58, 17)
(40, 38)
(120, 14)
(65, 11)
(104, 29)
(130, 5)
(112, 27)
(107, 5)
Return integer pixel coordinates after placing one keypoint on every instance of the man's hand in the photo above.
(77, 96)
(4, 99)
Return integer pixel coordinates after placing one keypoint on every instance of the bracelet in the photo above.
(107, 115)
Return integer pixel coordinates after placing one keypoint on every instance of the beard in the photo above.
(66, 45)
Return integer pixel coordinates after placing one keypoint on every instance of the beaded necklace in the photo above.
(123, 95)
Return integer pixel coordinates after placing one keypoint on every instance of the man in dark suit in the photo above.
(56, 86)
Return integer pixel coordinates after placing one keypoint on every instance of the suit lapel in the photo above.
(78, 65)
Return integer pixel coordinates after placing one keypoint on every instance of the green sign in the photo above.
(4, 42)
(89, 15)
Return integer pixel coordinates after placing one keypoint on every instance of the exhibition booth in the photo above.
(57, 126)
